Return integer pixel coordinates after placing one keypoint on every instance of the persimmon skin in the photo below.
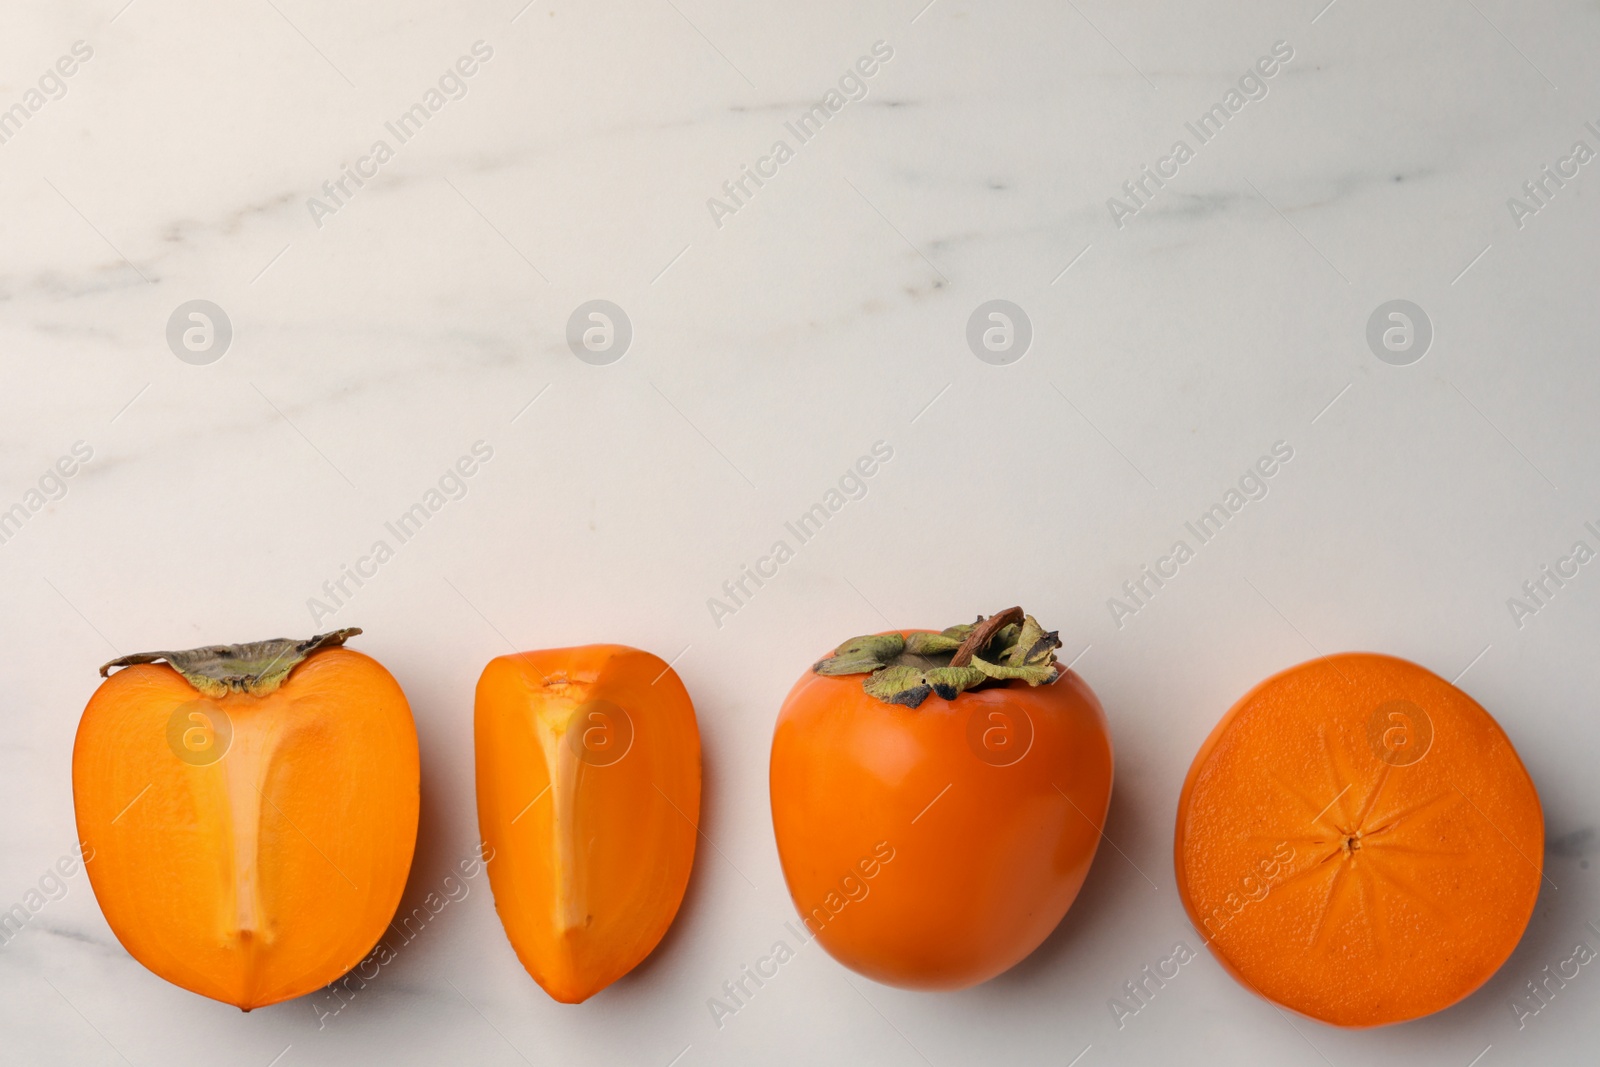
(985, 859)
(1410, 887)
(272, 871)
(592, 849)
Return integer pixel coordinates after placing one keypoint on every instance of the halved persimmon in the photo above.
(1358, 841)
(589, 800)
(252, 811)
(936, 818)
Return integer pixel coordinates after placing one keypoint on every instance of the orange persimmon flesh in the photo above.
(1358, 841)
(267, 872)
(588, 800)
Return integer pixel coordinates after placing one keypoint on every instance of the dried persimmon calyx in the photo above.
(255, 667)
(1009, 645)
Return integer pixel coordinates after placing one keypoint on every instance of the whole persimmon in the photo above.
(938, 798)
(251, 810)
(1358, 841)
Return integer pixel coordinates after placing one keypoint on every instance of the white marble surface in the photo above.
(826, 313)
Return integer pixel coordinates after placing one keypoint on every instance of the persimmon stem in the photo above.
(983, 633)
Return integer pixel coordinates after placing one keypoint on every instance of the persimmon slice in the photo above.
(589, 801)
(1358, 841)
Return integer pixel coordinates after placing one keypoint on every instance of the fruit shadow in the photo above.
(433, 859)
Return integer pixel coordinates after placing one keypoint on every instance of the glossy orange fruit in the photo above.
(1358, 841)
(936, 820)
(589, 799)
(252, 811)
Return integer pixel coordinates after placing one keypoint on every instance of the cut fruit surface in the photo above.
(1357, 840)
(588, 800)
(251, 837)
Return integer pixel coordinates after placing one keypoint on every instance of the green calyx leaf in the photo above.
(257, 668)
(1007, 646)
(862, 654)
(1033, 674)
(908, 685)
(935, 644)
(1033, 644)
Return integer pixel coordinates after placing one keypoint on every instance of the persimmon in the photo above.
(589, 798)
(252, 811)
(1358, 841)
(936, 818)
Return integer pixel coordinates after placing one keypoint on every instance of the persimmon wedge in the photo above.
(938, 798)
(589, 798)
(252, 811)
(1358, 841)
